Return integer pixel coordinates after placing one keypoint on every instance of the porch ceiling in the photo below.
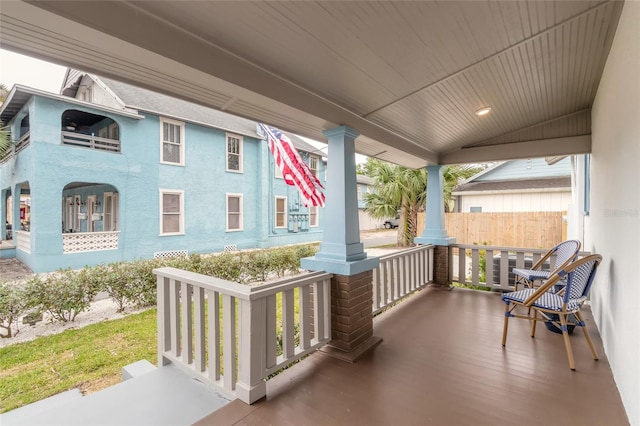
(408, 76)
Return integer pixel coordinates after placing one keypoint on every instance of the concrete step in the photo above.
(15, 416)
(164, 396)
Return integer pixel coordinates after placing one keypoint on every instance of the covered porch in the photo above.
(561, 78)
(441, 362)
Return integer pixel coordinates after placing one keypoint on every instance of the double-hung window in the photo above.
(281, 212)
(313, 165)
(171, 142)
(234, 212)
(171, 212)
(313, 216)
(234, 153)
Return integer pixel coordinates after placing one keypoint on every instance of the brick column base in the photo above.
(351, 316)
(441, 266)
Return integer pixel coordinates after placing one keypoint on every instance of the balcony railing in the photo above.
(491, 266)
(230, 334)
(23, 241)
(89, 241)
(91, 142)
(400, 274)
(21, 144)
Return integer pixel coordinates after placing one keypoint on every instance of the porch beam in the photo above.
(518, 150)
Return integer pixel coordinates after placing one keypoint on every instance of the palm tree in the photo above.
(397, 189)
(453, 176)
(4, 92)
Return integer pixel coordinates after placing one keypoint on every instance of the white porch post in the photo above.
(342, 254)
(3, 213)
(434, 228)
(341, 251)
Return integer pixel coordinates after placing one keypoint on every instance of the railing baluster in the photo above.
(488, 261)
(504, 269)
(213, 301)
(186, 322)
(229, 340)
(272, 334)
(175, 319)
(326, 312)
(304, 318)
(199, 325)
(288, 332)
(318, 312)
(475, 266)
(376, 288)
(462, 265)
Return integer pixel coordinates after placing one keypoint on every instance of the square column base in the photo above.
(354, 355)
(318, 263)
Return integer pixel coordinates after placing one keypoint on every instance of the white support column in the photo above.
(341, 251)
(434, 227)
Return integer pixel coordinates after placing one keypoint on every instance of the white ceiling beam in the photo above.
(518, 150)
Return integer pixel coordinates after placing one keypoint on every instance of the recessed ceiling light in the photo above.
(483, 111)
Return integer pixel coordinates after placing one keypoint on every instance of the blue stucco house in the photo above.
(106, 171)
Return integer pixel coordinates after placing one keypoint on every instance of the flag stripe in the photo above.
(294, 170)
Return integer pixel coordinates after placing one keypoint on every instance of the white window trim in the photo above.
(226, 214)
(315, 171)
(113, 214)
(277, 173)
(275, 209)
(182, 141)
(113, 127)
(181, 225)
(317, 216)
(241, 154)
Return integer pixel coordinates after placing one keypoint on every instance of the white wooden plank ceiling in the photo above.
(407, 75)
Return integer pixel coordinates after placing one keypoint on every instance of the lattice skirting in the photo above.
(89, 241)
(170, 253)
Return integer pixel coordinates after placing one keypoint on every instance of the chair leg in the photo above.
(567, 343)
(533, 323)
(586, 335)
(506, 324)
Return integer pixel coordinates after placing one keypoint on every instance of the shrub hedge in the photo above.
(66, 293)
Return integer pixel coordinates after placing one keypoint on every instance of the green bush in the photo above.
(63, 295)
(12, 306)
(67, 293)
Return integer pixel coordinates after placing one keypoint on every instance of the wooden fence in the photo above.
(523, 229)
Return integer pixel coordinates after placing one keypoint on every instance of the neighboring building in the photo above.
(367, 222)
(531, 185)
(108, 171)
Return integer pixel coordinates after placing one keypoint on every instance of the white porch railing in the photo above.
(89, 241)
(228, 333)
(23, 241)
(400, 274)
(91, 142)
(490, 266)
(21, 144)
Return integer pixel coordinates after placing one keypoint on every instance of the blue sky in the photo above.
(27, 71)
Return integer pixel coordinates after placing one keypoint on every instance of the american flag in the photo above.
(294, 170)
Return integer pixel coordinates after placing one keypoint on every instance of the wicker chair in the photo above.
(559, 256)
(562, 308)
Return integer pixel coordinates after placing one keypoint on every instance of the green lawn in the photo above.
(90, 358)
